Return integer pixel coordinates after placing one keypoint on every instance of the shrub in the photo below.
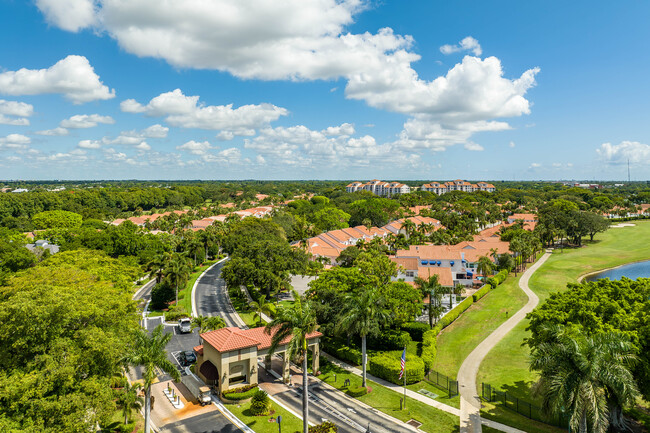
(261, 403)
(453, 314)
(481, 292)
(326, 427)
(357, 391)
(390, 340)
(429, 348)
(416, 330)
(238, 395)
(387, 366)
(492, 282)
(175, 314)
(339, 350)
(161, 295)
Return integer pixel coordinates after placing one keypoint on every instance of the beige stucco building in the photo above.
(228, 357)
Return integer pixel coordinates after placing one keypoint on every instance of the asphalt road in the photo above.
(212, 422)
(212, 296)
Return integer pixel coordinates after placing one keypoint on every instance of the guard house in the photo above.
(228, 356)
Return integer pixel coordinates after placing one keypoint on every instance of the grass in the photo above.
(261, 424)
(117, 420)
(506, 366)
(244, 311)
(388, 401)
(185, 295)
(457, 340)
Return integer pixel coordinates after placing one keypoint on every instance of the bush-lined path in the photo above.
(470, 403)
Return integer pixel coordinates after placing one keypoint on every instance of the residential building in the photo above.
(377, 187)
(456, 185)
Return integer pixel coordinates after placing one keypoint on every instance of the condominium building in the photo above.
(378, 187)
(456, 185)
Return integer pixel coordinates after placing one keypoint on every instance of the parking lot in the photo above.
(178, 343)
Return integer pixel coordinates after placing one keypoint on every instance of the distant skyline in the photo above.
(324, 89)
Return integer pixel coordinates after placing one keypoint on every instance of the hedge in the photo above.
(387, 366)
(416, 330)
(448, 318)
(481, 292)
(326, 427)
(390, 340)
(341, 351)
(497, 279)
(357, 391)
(237, 395)
(429, 348)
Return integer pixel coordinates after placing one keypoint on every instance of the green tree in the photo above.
(484, 266)
(129, 399)
(588, 378)
(178, 271)
(261, 307)
(432, 288)
(149, 352)
(364, 314)
(57, 219)
(331, 219)
(295, 323)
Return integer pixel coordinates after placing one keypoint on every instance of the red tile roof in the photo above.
(229, 339)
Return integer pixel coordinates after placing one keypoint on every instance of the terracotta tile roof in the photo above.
(198, 349)
(229, 339)
(445, 276)
(408, 263)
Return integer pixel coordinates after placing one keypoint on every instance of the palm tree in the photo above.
(157, 266)
(129, 400)
(431, 287)
(178, 271)
(214, 322)
(295, 322)
(364, 314)
(586, 378)
(149, 352)
(485, 267)
(409, 227)
(261, 307)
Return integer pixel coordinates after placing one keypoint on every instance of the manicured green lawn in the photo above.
(388, 401)
(458, 340)
(261, 424)
(506, 366)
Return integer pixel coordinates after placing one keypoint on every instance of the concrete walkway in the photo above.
(470, 402)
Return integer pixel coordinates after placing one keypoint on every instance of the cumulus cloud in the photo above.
(307, 40)
(82, 121)
(54, 132)
(467, 44)
(73, 77)
(187, 112)
(15, 113)
(511, 144)
(475, 147)
(14, 142)
(71, 15)
(134, 138)
(535, 165)
(633, 151)
(196, 147)
(203, 149)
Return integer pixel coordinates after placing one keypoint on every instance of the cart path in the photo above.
(470, 402)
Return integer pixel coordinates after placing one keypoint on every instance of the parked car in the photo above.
(186, 358)
(185, 325)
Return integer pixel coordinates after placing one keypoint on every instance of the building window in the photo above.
(410, 273)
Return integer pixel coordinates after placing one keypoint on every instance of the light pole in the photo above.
(279, 423)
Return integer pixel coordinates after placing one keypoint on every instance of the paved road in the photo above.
(211, 297)
(212, 422)
(470, 402)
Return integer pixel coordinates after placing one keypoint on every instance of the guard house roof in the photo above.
(229, 339)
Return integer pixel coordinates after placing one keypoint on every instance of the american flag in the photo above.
(403, 362)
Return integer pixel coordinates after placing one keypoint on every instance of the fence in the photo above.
(443, 382)
(522, 407)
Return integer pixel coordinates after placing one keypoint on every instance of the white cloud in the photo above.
(54, 132)
(14, 121)
(511, 144)
(231, 155)
(73, 77)
(14, 142)
(129, 138)
(195, 147)
(535, 165)
(633, 151)
(71, 15)
(557, 164)
(343, 129)
(187, 112)
(467, 44)
(15, 108)
(475, 147)
(81, 121)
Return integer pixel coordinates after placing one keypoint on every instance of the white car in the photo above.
(185, 325)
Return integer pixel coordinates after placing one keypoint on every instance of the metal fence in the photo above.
(522, 407)
(443, 382)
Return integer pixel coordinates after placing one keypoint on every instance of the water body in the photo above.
(631, 271)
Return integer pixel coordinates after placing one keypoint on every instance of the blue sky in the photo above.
(323, 89)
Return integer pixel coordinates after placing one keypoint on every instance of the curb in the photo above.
(193, 295)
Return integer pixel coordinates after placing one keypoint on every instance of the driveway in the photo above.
(211, 297)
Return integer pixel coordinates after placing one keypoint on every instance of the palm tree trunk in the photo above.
(147, 410)
(363, 360)
(126, 416)
(583, 423)
(176, 295)
(305, 393)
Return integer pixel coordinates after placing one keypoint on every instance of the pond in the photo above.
(631, 271)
